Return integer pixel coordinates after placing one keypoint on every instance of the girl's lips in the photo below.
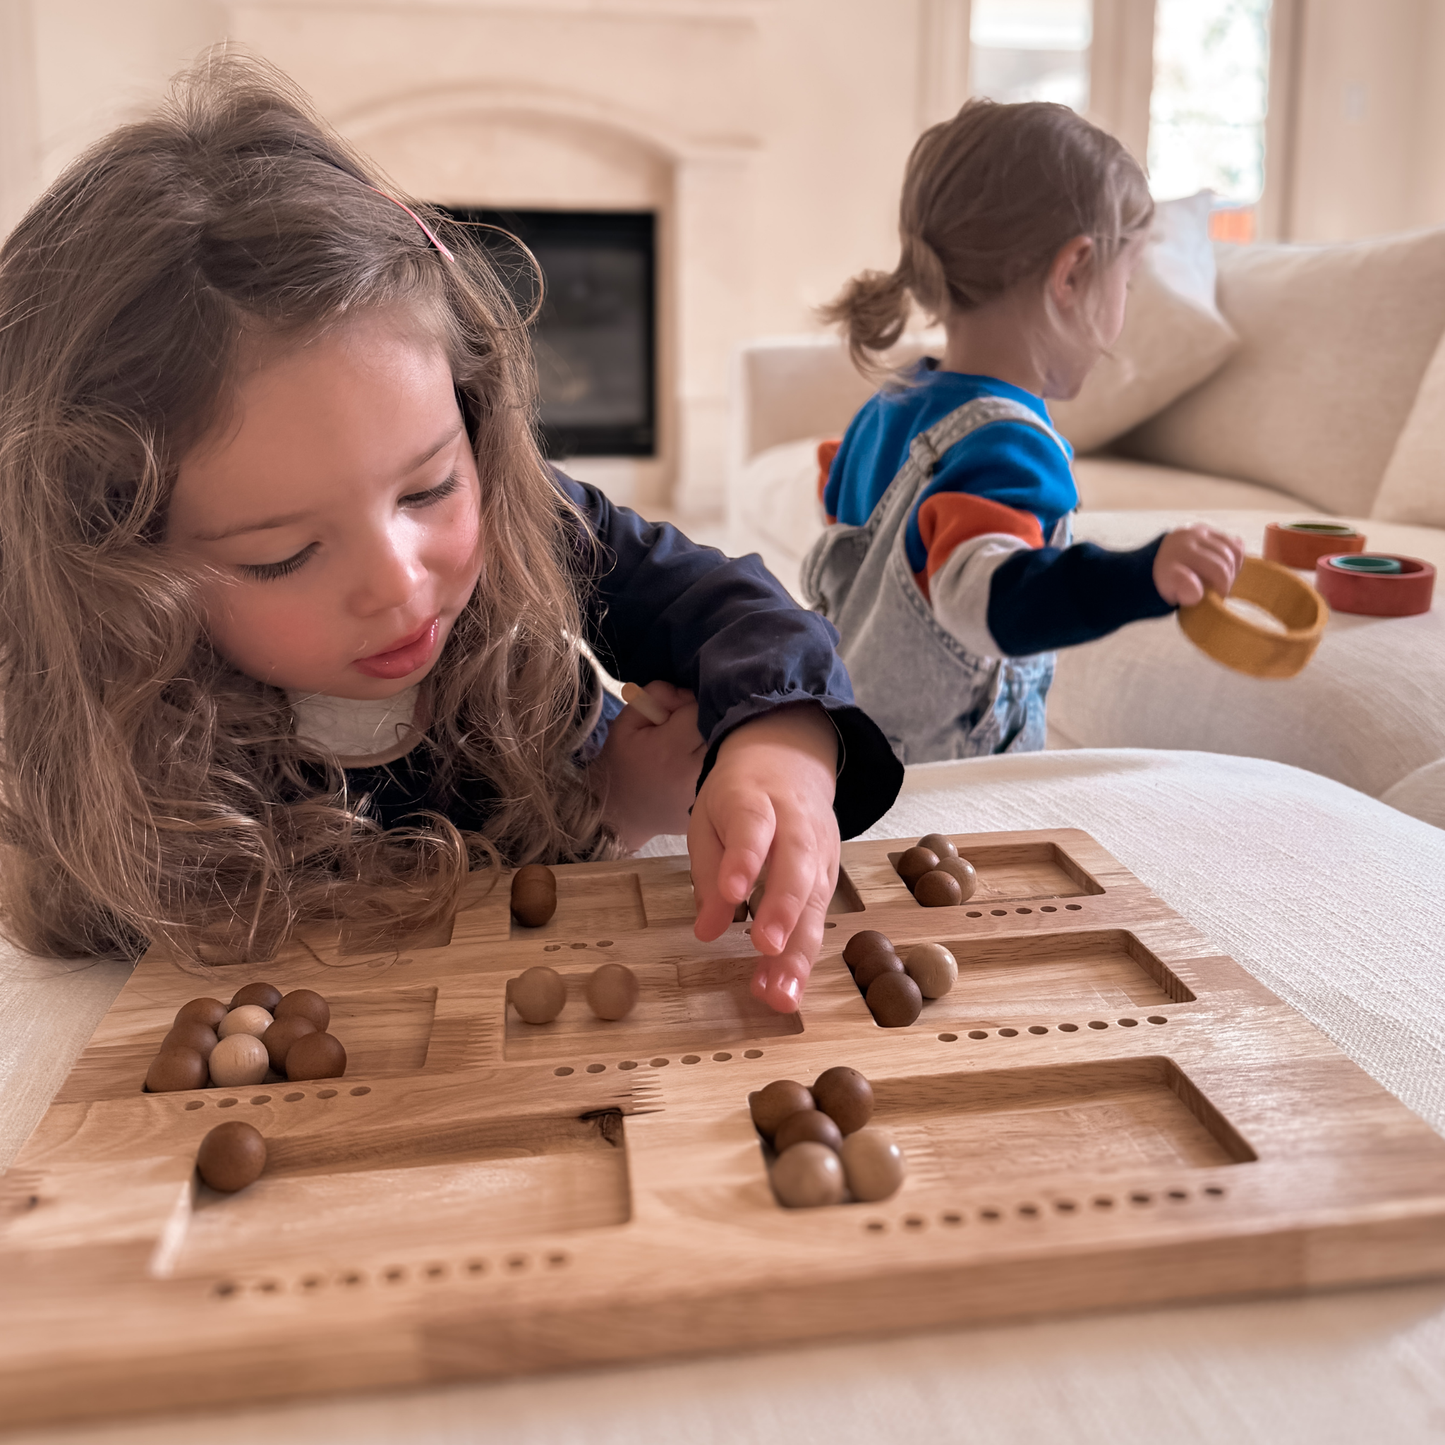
(406, 657)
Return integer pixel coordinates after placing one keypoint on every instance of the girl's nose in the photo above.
(388, 574)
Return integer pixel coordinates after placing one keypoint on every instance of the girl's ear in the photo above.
(1071, 271)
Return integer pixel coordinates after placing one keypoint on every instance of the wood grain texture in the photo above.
(1104, 1111)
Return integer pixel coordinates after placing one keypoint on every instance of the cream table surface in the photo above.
(1334, 900)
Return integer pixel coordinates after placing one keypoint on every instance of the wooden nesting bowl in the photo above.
(1246, 646)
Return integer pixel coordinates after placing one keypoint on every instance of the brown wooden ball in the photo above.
(315, 1056)
(778, 1101)
(873, 966)
(894, 1000)
(263, 995)
(811, 1124)
(845, 1096)
(932, 967)
(808, 1175)
(538, 994)
(913, 863)
(865, 944)
(304, 1003)
(534, 895)
(190, 1034)
(962, 870)
(873, 1165)
(208, 1011)
(755, 898)
(174, 1069)
(938, 843)
(612, 991)
(231, 1156)
(937, 889)
(279, 1038)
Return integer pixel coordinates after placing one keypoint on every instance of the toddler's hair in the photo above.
(148, 790)
(989, 197)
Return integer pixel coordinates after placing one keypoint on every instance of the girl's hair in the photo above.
(148, 790)
(989, 197)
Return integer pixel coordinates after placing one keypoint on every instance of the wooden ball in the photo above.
(304, 1003)
(873, 1165)
(315, 1056)
(538, 994)
(281, 1035)
(962, 870)
(612, 991)
(250, 1018)
(263, 995)
(174, 1069)
(874, 965)
(865, 944)
(937, 889)
(894, 1000)
(938, 843)
(534, 895)
(237, 1060)
(772, 1105)
(811, 1124)
(845, 1096)
(208, 1011)
(933, 968)
(808, 1175)
(913, 863)
(755, 898)
(190, 1034)
(231, 1156)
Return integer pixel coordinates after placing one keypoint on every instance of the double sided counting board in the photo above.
(1102, 1112)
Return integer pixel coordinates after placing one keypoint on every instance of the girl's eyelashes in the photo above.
(268, 571)
(434, 494)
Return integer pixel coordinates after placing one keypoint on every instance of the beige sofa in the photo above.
(1326, 398)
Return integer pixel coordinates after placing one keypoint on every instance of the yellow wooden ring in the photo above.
(1246, 646)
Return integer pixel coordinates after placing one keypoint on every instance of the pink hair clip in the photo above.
(426, 230)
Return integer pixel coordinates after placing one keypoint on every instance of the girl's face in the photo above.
(339, 510)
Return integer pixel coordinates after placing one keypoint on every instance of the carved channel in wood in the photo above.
(1007, 873)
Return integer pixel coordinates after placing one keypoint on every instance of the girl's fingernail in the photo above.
(774, 937)
(792, 988)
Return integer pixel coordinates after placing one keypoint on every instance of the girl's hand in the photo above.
(647, 773)
(1195, 559)
(769, 801)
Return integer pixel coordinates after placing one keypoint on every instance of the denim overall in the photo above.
(932, 697)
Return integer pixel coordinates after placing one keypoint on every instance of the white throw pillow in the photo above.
(1334, 341)
(1173, 336)
(1413, 489)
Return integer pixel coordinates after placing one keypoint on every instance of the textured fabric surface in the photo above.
(1118, 484)
(1367, 710)
(1334, 341)
(1413, 489)
(1330, 898)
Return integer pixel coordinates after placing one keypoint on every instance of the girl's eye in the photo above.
(268, 571)
(435, 494)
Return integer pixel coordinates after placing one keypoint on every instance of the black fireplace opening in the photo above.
(595, 337)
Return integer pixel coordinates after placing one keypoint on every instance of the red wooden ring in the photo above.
(1297, 546)
(1401, 594)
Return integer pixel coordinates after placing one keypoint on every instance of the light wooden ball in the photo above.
(865, 944)
(304, 1003)
(894, 1000)
(873, 1165)
(231, 1156)
(315, 1056)
(279, 1038)
(808, 1175)
(937, 889)
(778, 1101)
(807, 1124)
(534, 895)
(250, 1018)
(872, 966)
(208, 1011)
(913, 863)
(263, 995)
(190, 1034)
(933, 968)
(936, 842)
(239, 1059)
(174, 1069)
(538, 994)
(612, 991)
(845, 1096)
(963, 871)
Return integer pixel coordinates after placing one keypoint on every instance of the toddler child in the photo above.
(291, 607)
(947, 567)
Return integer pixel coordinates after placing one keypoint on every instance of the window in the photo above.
(1031, 50)
(1206, 114)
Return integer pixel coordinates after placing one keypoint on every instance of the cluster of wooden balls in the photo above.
(534, 894)
(237, 1044)
(823, 1153)
(935, 874)
(894, 985)
(539, 993)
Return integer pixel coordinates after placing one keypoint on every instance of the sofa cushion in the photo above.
(1414, 486)
(1334, 342)
(1117, 484)
(1173, 336)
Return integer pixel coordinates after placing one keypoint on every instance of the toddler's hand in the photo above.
(647, 772)
(769, 801)
(1194, 559)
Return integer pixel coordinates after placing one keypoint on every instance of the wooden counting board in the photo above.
(1103, 1112)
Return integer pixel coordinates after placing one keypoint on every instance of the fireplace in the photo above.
(595, 336)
